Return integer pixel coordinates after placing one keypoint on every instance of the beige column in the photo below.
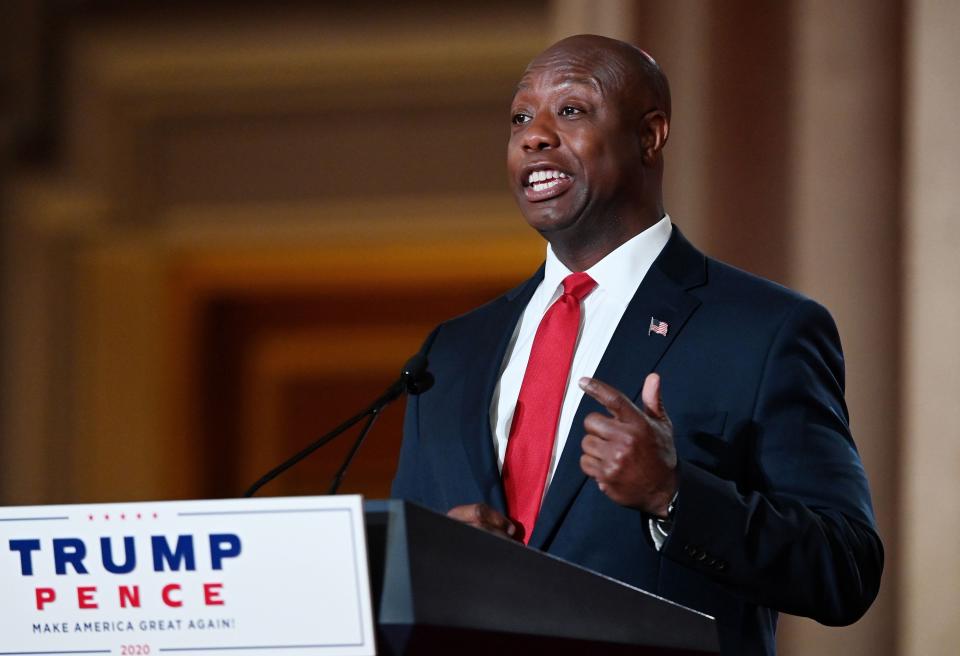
(675, 34)
(930, 386)
(45, 225)
(27, 360)
(843, 241)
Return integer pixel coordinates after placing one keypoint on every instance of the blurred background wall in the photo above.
(226, 224)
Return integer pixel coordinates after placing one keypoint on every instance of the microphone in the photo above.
(414, 375)
(414, 379)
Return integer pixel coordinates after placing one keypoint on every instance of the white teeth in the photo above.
(541, 176)
(543, 186)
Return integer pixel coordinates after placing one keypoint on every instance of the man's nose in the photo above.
(541, 133)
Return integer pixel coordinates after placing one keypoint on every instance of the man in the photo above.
(636, 407)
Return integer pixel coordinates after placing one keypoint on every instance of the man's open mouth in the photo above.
(544, 184)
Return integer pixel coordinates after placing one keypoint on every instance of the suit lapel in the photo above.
(633, 352)
(481, 378)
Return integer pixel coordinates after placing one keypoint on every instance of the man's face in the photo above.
(574, 154)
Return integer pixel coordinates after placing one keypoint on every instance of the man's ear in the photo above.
(654, 131)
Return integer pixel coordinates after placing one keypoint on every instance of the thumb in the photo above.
(652, 401)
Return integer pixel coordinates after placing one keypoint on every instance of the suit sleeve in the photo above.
(800, 535)
(408, 481)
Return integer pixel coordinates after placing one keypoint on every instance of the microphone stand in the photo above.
(414, 379)
(373, 409)
(338, 477)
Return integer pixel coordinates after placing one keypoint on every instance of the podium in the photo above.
(441, 587)
(281, 575)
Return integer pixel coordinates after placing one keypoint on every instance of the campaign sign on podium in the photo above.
(274, 575)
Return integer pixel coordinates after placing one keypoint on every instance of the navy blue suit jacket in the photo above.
(774, 511)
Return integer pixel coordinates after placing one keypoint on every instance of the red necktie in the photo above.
(534, 427)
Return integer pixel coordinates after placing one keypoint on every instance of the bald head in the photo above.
(620, 68)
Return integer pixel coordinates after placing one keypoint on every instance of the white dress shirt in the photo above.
(617, 275)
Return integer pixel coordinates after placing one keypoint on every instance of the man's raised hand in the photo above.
(630, 453)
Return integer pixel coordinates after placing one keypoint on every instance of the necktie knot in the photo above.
(578, 285)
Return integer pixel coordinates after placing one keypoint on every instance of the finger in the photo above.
(595, 446)
(466, 513)
(602, 426)
(652, 401)
(609, 397)
(495, 521)
(591, 466)
(473, 514)
(482, 516)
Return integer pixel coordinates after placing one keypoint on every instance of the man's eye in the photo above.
(570, 111)
(520, 119)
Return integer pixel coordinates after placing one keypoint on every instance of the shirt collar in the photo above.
(619, 273)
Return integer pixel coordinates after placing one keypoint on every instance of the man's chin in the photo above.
(549, 217)
(550, 225)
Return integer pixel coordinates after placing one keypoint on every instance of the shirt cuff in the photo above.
(658, 532)
(660, 528)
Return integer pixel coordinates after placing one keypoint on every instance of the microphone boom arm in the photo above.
(414, 379)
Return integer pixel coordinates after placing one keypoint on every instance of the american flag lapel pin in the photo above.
(658, 327)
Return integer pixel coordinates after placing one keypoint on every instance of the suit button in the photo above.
(711, 561)
(701, 555)
(721, 565)
(690, 550)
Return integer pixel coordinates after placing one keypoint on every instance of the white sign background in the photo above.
(299, 586)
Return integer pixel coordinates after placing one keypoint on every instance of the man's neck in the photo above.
(580, 252)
